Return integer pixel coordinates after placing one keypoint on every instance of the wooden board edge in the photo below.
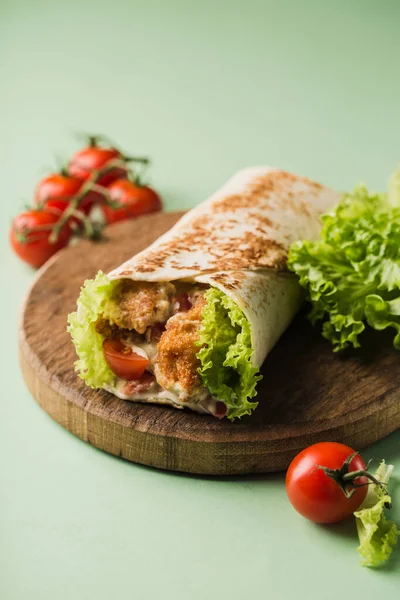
(176, 454)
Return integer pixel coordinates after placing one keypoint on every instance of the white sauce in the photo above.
(163, 397)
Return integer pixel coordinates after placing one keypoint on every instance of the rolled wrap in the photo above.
(238, 241)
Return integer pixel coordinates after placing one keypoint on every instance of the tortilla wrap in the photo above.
(238, 241)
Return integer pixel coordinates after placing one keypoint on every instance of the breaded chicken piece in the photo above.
(176, 363)
(139, 304)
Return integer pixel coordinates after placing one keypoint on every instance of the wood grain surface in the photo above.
(308, 394)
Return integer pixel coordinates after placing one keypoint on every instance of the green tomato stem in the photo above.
(89, 186)
(346, 479)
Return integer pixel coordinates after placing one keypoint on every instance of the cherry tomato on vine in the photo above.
(319, 484)
(57, 207)
(58, 189)
(123, 361)
(29, 236)
(95, 157)
(135, 200)
(91, 158)
(57, 185)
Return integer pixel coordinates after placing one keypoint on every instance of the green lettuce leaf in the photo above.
(352, 274)
(394, 189)
(377, 534)
(93, 298)
(226, 354)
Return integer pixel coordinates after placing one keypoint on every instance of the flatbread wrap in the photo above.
(189, 321)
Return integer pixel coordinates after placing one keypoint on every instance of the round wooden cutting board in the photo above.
(308, 394)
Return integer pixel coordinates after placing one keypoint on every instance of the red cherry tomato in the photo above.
(87, 160)
(57, 190)
(136, 200)
(316, 495)
(57, 185)
(29, 236)
(123, 361)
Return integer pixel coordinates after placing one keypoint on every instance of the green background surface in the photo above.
(204, 88)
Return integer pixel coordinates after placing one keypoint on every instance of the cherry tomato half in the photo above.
(123, 361)
(87, 160)
(136, 200)
(29, 236)
(316, 495)
(57, 190)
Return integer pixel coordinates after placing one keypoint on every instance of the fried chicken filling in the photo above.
(138, 305)
(163, 317)
(176, 362)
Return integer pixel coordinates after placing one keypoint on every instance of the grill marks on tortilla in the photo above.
(230, 236)
(230, 281)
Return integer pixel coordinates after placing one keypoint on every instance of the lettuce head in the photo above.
(352, 273)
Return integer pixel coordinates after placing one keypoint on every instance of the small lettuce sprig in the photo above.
(352, 274)
(377, 534)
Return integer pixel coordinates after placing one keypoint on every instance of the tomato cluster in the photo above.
(98, 175)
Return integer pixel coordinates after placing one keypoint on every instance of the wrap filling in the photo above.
(185, 344)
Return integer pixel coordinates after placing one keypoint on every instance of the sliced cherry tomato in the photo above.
(29, 236)
(57, 190)
(123, 361)
(136, 200)
(87, 160)
(316, 488)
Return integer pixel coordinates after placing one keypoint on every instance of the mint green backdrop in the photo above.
(204, 88)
